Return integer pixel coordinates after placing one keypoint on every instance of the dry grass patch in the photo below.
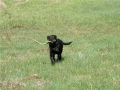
(20, 1)
(33, 79)
(2, 4)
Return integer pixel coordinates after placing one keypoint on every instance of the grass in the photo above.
(91, 62)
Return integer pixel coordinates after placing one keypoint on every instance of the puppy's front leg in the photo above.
(52, 57)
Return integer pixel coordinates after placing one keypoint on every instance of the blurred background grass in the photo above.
(90, 62)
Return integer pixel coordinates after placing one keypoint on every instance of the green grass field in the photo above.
(91, 62)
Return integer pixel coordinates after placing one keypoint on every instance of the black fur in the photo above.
(56, 47)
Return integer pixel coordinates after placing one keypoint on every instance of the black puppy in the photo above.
(56, 47)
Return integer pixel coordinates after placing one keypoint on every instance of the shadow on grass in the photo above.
(63, 58)
(60, 61)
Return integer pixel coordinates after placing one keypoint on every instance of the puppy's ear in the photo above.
(55, 36)
(48, 37)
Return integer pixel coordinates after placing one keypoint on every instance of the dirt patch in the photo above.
(34, 76)
(17, 26)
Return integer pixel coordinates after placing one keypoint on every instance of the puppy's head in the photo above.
(52, 38)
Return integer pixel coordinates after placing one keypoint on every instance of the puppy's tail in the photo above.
(67, 43)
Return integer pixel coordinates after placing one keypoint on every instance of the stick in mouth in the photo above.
(39, 42)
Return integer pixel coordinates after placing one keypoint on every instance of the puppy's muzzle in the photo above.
(51, 41)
